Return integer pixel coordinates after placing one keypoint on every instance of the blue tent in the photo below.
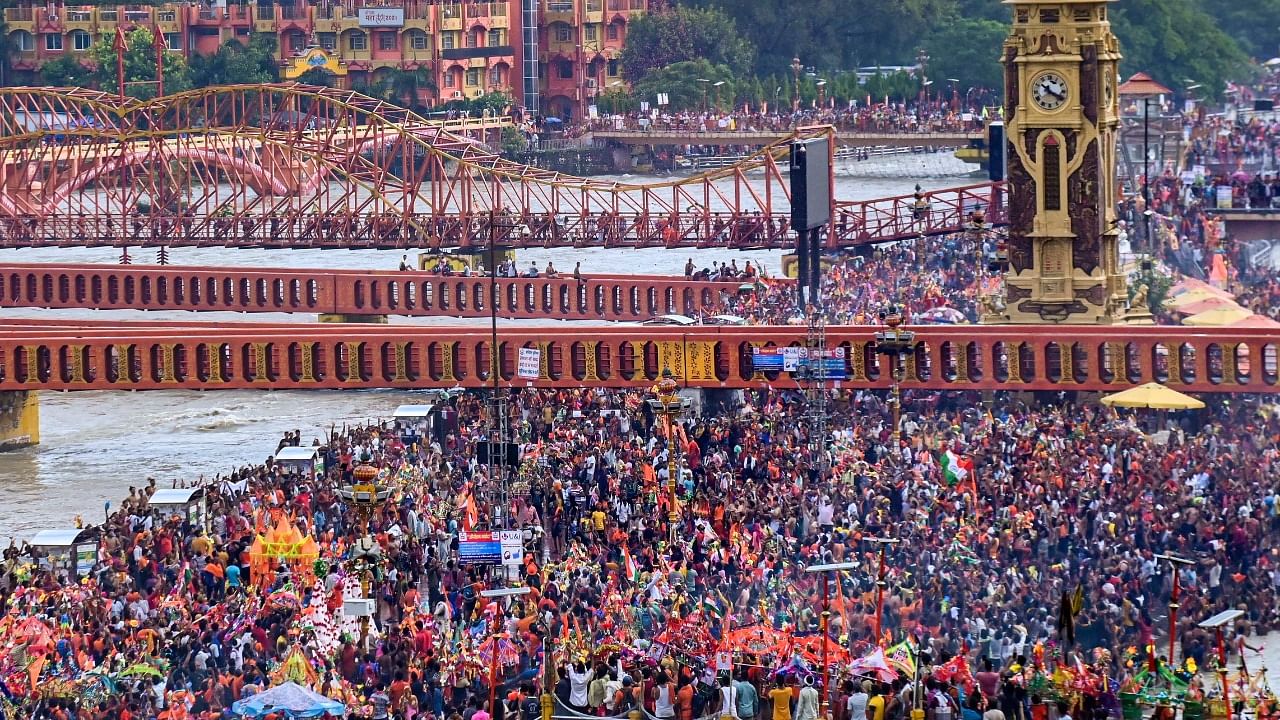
(291, 699)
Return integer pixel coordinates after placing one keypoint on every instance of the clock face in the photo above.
(1049, 91)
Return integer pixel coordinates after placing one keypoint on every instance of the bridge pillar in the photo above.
(352, 318)
(19, 419)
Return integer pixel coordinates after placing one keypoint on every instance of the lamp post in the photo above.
(497, 594)
(669, 404)
(498, 429)
(884, 544)
(1174, 563)
(822, 94)
(702, 83)
(796, 67)
(920, 209)
(895, 343)
(717, 86)
(826, 621)
(1146, 172)
(922, 61)
(1216, 623)
(365, 495)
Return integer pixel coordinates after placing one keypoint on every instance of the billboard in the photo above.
(794, 359)
(381, 17)
(491, 547)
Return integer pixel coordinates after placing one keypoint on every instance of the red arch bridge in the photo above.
(293, 166)
(84, 355)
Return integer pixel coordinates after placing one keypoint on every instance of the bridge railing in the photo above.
(141, 356)
(856, 223)
(106, 287)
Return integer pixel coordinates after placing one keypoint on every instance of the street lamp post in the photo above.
(497, 594)
(822, 94)
(365, 495)
(717, 86)
(702, 83)
(669, 404)
(826, 621)
(1174, 563)
(884, 543)
(896, 343)
(1216, 623)
(796, 67)
(498, 428)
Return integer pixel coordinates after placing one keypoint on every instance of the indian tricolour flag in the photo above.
(633, 572)
(955, 469)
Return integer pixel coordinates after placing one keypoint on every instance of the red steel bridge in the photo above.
(294, 166)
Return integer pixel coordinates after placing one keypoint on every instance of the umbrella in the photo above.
(139, 670)
(1255, 321)
(1209, 303)
(1194, 296)
(1217, 317)
(291, 699)
(1152, 395)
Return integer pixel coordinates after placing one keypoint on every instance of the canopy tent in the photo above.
(291, 699)
(283, 544)
(1212, 302)
(1217, 317)
(302, 459)
(186, 503)
(1152, 395)
(72, 550)
(1255, 321)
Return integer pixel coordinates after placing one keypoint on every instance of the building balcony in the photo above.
(477, 52)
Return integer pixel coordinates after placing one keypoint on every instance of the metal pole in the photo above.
(1173, 618)
(826, 665)
(493, 661)
(495, 369)
(158, 41)
(880, 593)
(1146, 170)
(673, 513)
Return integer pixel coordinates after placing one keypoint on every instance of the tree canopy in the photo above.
(236, 63)
(139, 66)
(684, 34)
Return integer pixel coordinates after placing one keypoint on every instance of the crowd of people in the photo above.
(1056, 495)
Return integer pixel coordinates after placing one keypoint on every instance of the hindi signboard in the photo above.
(530, 365)
(381, 17)
(490, 547)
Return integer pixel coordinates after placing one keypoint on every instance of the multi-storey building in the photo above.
(555, 56)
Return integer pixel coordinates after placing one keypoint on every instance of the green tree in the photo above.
(405, 85)
(139, 66)
(513, 141)
(967, 50)
(316, 76)
(683, 34)
(1252, 24)
(65, 71)
(236, 63)
(682, 84)
(1177, 43)
(496, 103)
(832, 34)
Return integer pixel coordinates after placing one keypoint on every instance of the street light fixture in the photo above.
(717, 85)
(1216, 623)
(497, 594)
(822, 94)
(365, 495)
(895, 343)
(796, 68)
(826, 620)
(1174, 563)
(703, 82)
(670, 404)
(884, 543)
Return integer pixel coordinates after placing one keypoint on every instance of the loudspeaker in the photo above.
(995, 152)
(1266, 105)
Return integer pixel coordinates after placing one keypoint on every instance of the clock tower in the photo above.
(1061, 114)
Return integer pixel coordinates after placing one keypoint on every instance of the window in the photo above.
(495, 76)
(81, 40)
(52, 41)
(418, 40)
(387, 41)
(448, 41)
(173, 41)
(613, 68)
(473, 76)
(450, 79)
(166, 16)
(471, 39)
(79, 16)
(589, 32)
(562, 33)
(107, 16)
(566, 69)
(22, 41)
(613, 31)
(1052, 174)
(495, 38)
(452, 10)
(328, 41)
(297, 42)
(358, 41)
